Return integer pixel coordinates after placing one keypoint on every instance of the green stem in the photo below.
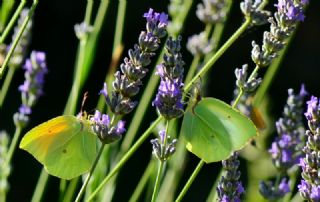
(12, 21)
(161, 163)
(6, 8)
(6, 84)
(88, 13)
(119, 25)
(218, 54)
(80, 66)
(193, 68)
(157, 183)
(263, 4)
(40, 187)
(190, 181)
(69, 193)
(75, 90)
(241, 92)
(115, 49)
(142, 182)
(84, 185)
(16, 40)
(270, 74)
(126, 157)
(14, 143)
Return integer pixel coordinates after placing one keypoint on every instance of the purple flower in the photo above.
(291, 10)
(286, 149)
(168, 99)
(284, 186)
(272, 192)
(31, 89)
(160, 150)
(156, 18)
(129, 79)
(309, 186)
(105, 130)
(229, 188)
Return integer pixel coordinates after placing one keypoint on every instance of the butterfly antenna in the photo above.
(84, 99)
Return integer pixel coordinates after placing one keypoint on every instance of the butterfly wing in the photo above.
(214, 130)
(65, 146)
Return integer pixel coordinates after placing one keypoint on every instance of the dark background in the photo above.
(53, 33)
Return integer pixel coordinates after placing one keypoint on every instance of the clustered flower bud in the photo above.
(243, 83)
(272, 192)
(19, 52)
(5, 168)
(31, 89)
(198, 44)
(286, 149)
(229, 187)
(309, 186)
(163, 151)
(289, 12)
(168, 99)
(251, 9)
(212, 11)
(128, 81)
(105, 129)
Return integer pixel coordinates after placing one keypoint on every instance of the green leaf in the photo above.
(213, 130)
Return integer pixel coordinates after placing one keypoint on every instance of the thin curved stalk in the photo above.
(16, 40)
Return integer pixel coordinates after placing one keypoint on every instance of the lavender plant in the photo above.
(168, 101)
(309, 186)
(229, 187)
(286, 150)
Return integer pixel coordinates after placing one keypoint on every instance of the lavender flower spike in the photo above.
(105, 130)
(168, 99)
(31, 89)
(128, 81)
(161, 151)
(229, 188)
(309, 186)
(289, 13)
(286, 150)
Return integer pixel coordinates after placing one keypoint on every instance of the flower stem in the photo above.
(6, 84)
(16, 40)
(117, 49)
(161, 164)
(40, 187)
(270, 74)
(190, 181)
(84, 185)
(142, 182)
(218, 54)
(256, 69)
(14, 143)
(126, 157)
(157, 183)
(12, 21)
